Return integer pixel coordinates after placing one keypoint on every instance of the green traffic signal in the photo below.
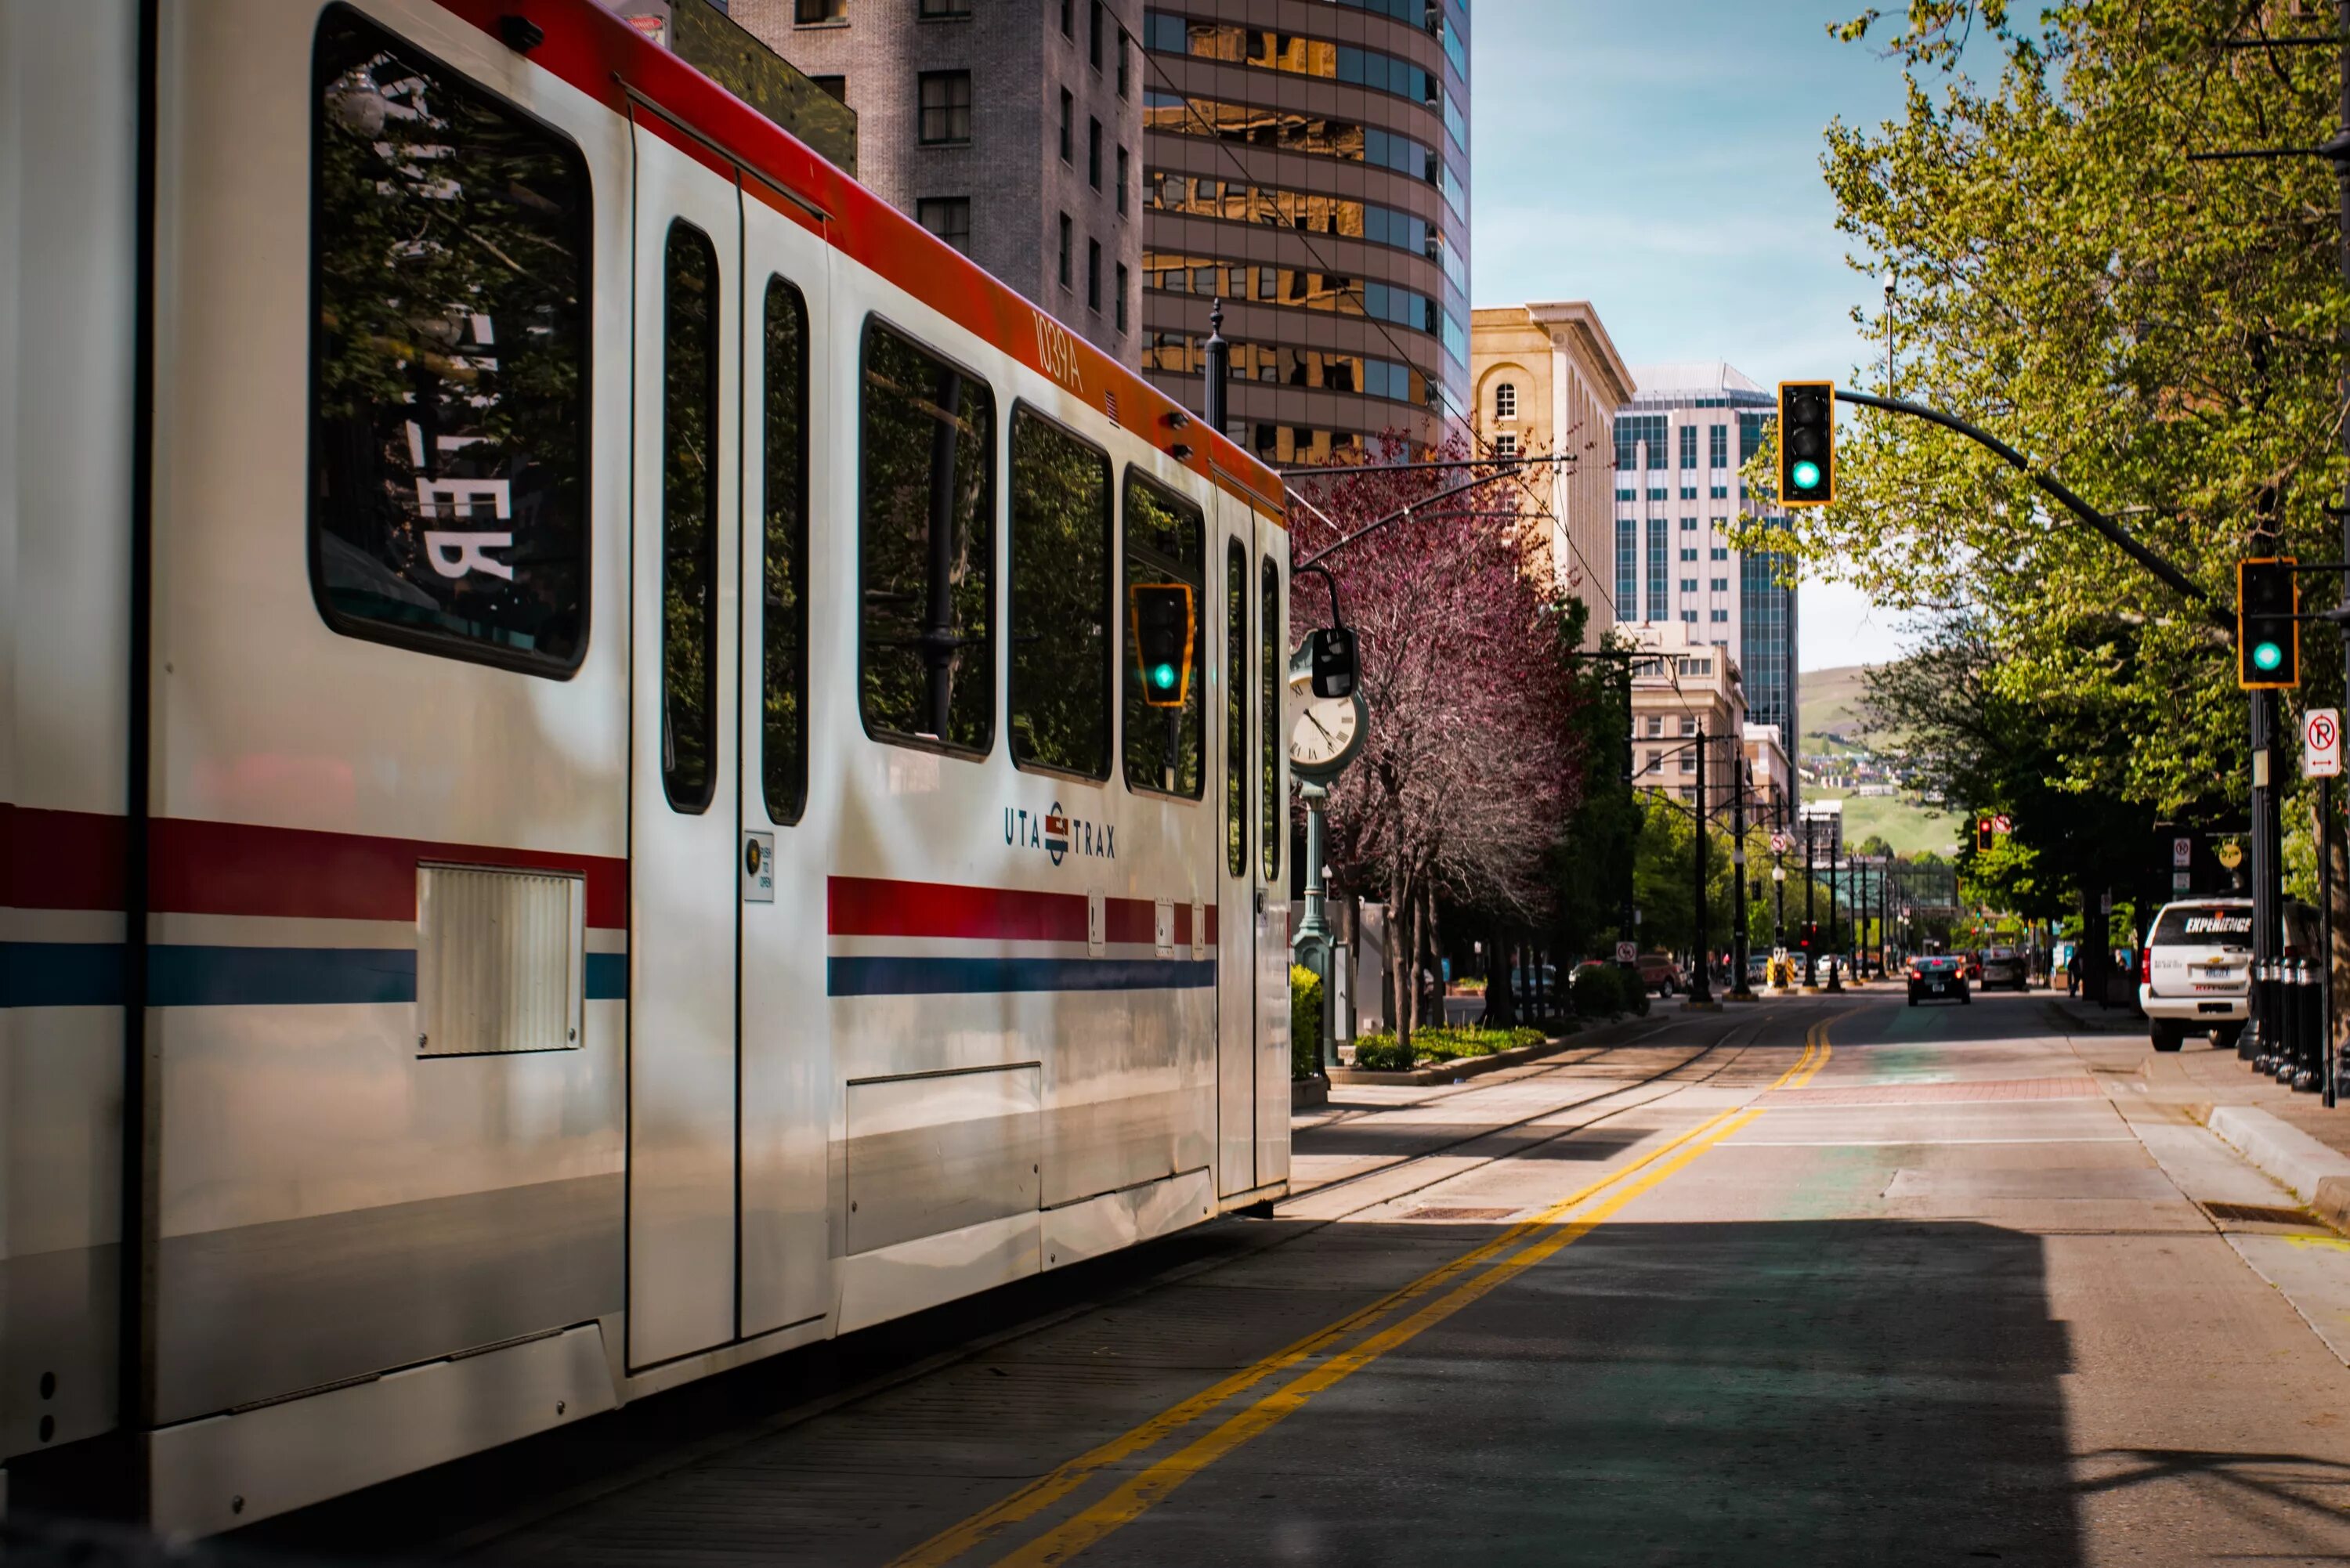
(2268, 634)
(1807, 475)
(1162, 676)
(2267, 656)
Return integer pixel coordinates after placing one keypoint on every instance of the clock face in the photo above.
(1325, 736)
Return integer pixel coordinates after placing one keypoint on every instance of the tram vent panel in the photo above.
(499, 960)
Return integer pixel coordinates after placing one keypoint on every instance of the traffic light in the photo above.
(1161, 614)
(2268, 639)
(1984, 839)
(1806, 443)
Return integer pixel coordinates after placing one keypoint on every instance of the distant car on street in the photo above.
(1938, 976)
(1660, 975)
(1758, 970)
(2002, 966)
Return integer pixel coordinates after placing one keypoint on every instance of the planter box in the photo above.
(1461, 1067)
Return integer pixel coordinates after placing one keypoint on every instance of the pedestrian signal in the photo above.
(1806, 443)
(2268, 638)
(1161, 614)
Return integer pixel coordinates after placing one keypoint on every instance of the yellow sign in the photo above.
(2231, 853)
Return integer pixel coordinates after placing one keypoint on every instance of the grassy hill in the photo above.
(1830, 701)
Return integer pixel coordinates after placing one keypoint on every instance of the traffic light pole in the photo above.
(1738, 989)
(1700, 989)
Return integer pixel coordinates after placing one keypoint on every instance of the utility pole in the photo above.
(1811, 958)
(1738, 989)
(1700, 992)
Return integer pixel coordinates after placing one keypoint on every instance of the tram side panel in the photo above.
(68, 120)
(390, 731)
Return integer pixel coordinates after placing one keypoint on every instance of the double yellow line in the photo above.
(1141, 1491)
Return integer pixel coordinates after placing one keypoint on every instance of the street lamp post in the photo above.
(1811, 920)
(1738, 989)
(1701, 991)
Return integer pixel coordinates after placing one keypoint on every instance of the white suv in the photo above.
(2198, 962)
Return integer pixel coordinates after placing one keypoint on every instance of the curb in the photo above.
(2319, 1176)
(1304, 1093)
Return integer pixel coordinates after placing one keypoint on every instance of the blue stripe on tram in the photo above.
(964, 976)
(90, 974)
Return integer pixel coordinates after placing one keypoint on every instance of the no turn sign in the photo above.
(2321, 744)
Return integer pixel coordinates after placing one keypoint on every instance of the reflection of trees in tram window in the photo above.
(1165, 542)
(449, 246)
(926, 579)
(783, 750)
(688, 516)
(1060, 590)
(1236, 751)
(1272, 671)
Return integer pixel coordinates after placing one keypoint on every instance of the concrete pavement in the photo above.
(1824, 1279)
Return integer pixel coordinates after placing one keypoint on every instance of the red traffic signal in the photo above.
(1984, 834)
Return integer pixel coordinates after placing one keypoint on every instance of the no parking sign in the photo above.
(2321, 744)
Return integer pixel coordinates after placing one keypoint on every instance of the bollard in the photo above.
(2264, 1021)
(2308, 1068)
(2287, 1057)
(2248, 1038)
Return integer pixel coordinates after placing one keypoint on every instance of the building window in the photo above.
(1093, 274)
(1068, 27)
(1094, 35)
(946, 108)
(1068, 122)
(1721, 585)
(1505, 445)
(937, 10)
(926, 649)
(688, 519)
(1093, 153)
(836, 87)
(1658, 583)
(1718, 446)
(1124, 171)
(1120, 305)
(1656, 727)
(1505, 400)
(1688, 446)
(1060, 609)
(1688, 585)
(1689, 552)
(1719, 617)
(1720, 493)
(1166, 542)
(783, 634)
(816, 12)
(1689, 493)
(1068, 239)
(1721, 553)
(949, 217)
(1689, 525)
(1121, 62)
(448, 494)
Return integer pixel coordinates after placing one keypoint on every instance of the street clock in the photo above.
(1327, 735)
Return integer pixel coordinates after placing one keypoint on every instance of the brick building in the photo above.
(1011, 129)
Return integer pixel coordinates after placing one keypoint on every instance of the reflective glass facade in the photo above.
(1313, 179)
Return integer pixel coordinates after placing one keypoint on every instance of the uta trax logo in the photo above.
(1058, 833)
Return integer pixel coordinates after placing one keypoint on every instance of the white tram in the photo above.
(575, 808)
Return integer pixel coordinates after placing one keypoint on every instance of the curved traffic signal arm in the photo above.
(1161, 614)
(2268, 631)
(1806, 443)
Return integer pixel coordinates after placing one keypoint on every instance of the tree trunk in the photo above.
(1501, 1002)
(1399, 955)
(2096, 946)
(1435, 955)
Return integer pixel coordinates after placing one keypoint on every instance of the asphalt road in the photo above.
(1810, 1280)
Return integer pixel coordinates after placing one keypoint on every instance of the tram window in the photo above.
(449, 384)
(1165, 542)
(1236, 757)
(1269, 735)
(689, 518)
(1060, 598)
(927, 647)
(783, 697)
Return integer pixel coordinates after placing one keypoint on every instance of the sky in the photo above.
(1661, 160)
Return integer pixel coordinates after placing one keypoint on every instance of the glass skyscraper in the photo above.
(1678, 447)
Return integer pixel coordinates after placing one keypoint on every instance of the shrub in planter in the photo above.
(1380, 1053)
(1596, 992)
(1304, 1021)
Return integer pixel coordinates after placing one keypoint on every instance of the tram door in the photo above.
(1239, 875)
(684, 767)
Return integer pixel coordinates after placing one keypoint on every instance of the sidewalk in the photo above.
(2292, 1137)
